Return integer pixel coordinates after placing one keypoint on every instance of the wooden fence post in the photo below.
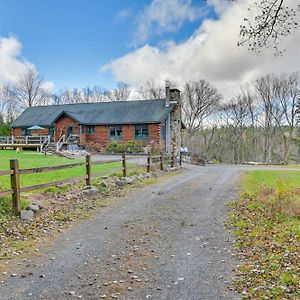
(15, 186)
(172, 160)
(88, 170)
(148, 162)
(124, 165)
(161, 162)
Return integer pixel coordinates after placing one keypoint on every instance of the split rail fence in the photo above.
(15, 173)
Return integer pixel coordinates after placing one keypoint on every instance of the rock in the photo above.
(103, 184)
(128, 180)
(90, 190)
(35, 208)
(40, 204)
(120, 182)
(14, 275)
(147, 175)
(27, 215)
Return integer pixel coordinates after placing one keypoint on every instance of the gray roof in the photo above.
(102, 113)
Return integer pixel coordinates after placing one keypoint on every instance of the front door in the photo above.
(51, 132)
(70, 130)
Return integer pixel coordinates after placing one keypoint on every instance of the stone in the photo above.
(120, 182)
(35, 208)
(103, 184)
(128, 180)
(27, 215)
(90, 190)
(40, 204)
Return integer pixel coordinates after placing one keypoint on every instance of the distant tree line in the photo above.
(259, 123)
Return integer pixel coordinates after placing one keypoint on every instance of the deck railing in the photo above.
(25, 140)
(60, 143)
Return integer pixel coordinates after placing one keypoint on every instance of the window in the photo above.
(90, 129)
(141, 132)
(115, 132)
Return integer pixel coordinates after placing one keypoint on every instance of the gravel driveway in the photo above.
(164, 241)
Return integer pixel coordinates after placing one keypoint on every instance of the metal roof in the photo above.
(102, 113)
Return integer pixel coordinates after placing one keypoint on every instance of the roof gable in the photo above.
(121, 112)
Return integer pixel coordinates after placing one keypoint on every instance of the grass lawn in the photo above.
(266, 223)
(29, 159)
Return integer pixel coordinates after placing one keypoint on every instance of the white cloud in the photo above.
(11, 64)
(165, 16)
(211, 53)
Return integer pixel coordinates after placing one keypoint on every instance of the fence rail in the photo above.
(15, 173)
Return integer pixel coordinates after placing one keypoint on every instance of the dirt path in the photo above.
(164, 241)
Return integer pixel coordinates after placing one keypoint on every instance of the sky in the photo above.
(80, 43)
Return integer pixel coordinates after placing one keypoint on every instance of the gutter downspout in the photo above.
(168, 134)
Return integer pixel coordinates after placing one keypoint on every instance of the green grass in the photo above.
(253, 180)
(28, 159)
(266, 223)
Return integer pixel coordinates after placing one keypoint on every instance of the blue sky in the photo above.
(69, 40)
(80, 43)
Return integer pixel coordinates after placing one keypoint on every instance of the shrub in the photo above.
(93, 147)
(129, 147)
(154, 148)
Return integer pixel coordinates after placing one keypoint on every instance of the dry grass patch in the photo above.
(266, 223)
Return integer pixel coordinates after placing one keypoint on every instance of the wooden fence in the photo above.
(15, 173)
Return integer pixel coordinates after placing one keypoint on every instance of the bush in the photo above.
(154, 148)
(93, 147)
(129, 147)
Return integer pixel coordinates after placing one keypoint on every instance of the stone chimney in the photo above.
(175, 95)
(168, 94)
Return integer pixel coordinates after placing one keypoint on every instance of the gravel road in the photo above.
(164, 241)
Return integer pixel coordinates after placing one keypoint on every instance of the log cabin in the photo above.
(147, 122)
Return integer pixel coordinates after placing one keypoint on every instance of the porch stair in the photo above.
(51, 148)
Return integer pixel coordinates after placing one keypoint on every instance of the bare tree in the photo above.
(99, 94)
(200, 99)
(239, 115)
(8, 108)
(29, 90)
(287, 93)
(264, 88)
(152, 91)
(121, 93)
(273, 21)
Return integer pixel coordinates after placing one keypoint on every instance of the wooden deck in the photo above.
(26, 142)
(14, 146)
